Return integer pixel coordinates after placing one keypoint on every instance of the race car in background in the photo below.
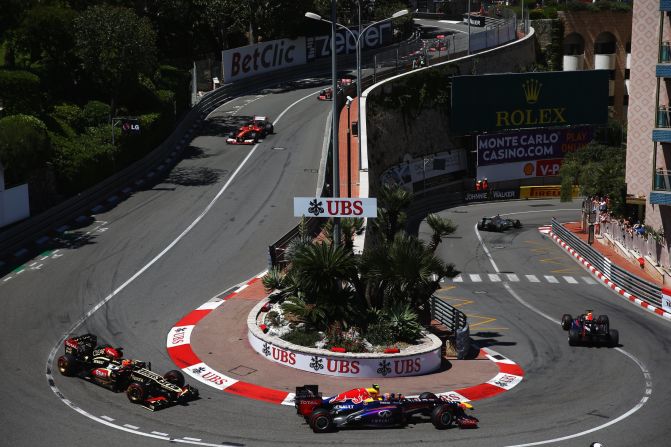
(105, 366)
(586, 330)
(365, 408)
(326, 94)
(498, 223)
(250, 133)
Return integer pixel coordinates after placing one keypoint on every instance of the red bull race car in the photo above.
(585, 329)
(366, 408)
(258, 128)
(105, 366)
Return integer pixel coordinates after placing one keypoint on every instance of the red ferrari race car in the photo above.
(260, 127)
(105, 366)
(326, 94)
(366, 408)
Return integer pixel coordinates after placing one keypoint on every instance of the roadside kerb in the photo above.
(645, 305)
(179, 349)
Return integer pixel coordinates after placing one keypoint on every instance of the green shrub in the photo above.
(351, 339)
(70, 114)
(300, 337)
(20, 92)
(96, 113)
(403, 322)
(83, 161)
(24, 147)
(176, 80)
(380, 334)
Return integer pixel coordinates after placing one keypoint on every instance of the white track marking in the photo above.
(570, 279)
(512, 277)
(83, 318)
(458, 278)
(588, 280)
(532, 278)
(475, 277)
(646, 374)
(552, 279)
(493, 277)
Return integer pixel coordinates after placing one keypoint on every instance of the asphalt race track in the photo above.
(206, 226)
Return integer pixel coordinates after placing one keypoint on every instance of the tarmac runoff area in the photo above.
(210, 344)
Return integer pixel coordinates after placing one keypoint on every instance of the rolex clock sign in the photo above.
(335, 207)
(529, 100)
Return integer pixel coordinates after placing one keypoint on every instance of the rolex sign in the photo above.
(529, 100)
(335, 207)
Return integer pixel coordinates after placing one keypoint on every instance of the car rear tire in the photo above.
(321, 421)
(442, 417)
(427, 395)
(67, 365)
(517, 224)
(614, 337)
(175, 377)
(566, 321)
(269, 129)
(137, 392)
(573, 337)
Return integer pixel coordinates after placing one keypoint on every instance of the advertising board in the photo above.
(514, 146)
(520, 170)
(251, 60)
(335, 207)
(374, 37)
(495, 102)
(427, 172)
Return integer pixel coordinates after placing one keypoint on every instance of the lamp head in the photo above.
(312, 15)
(400, 13)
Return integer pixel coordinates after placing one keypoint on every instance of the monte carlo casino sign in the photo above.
(526, 100)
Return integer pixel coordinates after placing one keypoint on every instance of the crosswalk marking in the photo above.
(570, 279)
(512, 277)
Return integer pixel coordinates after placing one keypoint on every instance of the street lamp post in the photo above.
(469, 27)
(349, 147)
(359, 50)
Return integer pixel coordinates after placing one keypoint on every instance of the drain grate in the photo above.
(278, 148)
(242, 370)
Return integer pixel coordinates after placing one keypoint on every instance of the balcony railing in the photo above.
(663, 180)
(663, 117)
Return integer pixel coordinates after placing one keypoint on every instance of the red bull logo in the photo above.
(356, 396)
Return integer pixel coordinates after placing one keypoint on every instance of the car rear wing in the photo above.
(307, 399)
(81, 343)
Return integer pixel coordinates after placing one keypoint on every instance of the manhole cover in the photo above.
(311, 171)
(277, 148)
(499, 247)
(480, 292)
(242, 370)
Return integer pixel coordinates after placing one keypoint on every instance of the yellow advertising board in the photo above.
(545, 192)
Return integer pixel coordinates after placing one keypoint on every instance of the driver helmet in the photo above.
(125, 363)
(374, 390)
(588, 314)
(596, 444)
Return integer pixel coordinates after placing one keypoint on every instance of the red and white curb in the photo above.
(181, 353)
(647, 306)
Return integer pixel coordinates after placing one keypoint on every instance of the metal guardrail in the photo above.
(451, 317)
(644, 290)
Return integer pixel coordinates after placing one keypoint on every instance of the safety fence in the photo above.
(644, 290)
(448, 315)
(642, 244)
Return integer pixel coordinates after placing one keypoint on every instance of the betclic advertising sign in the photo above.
(493, 102)
(509, 147)
(251, 60)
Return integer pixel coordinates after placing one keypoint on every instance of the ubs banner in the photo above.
(376, 36)
(244, 62)
(525, 100)
(534, 144)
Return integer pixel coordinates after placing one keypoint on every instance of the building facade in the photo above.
(649, 128)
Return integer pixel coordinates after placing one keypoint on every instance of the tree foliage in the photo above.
(115, 46)
(24, 147)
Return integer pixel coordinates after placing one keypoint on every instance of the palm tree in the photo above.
(404, 271)
(349, 226)
(441, 227)
(391, 217)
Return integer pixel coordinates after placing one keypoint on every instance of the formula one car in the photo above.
(365, 408)
(326, 94)
(105, 366)
(498, 223)
(250, 133)
(586, 330)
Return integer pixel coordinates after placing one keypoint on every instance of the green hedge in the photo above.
(20, 92)
(96, 113)
(24, 147)
(178, 81)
